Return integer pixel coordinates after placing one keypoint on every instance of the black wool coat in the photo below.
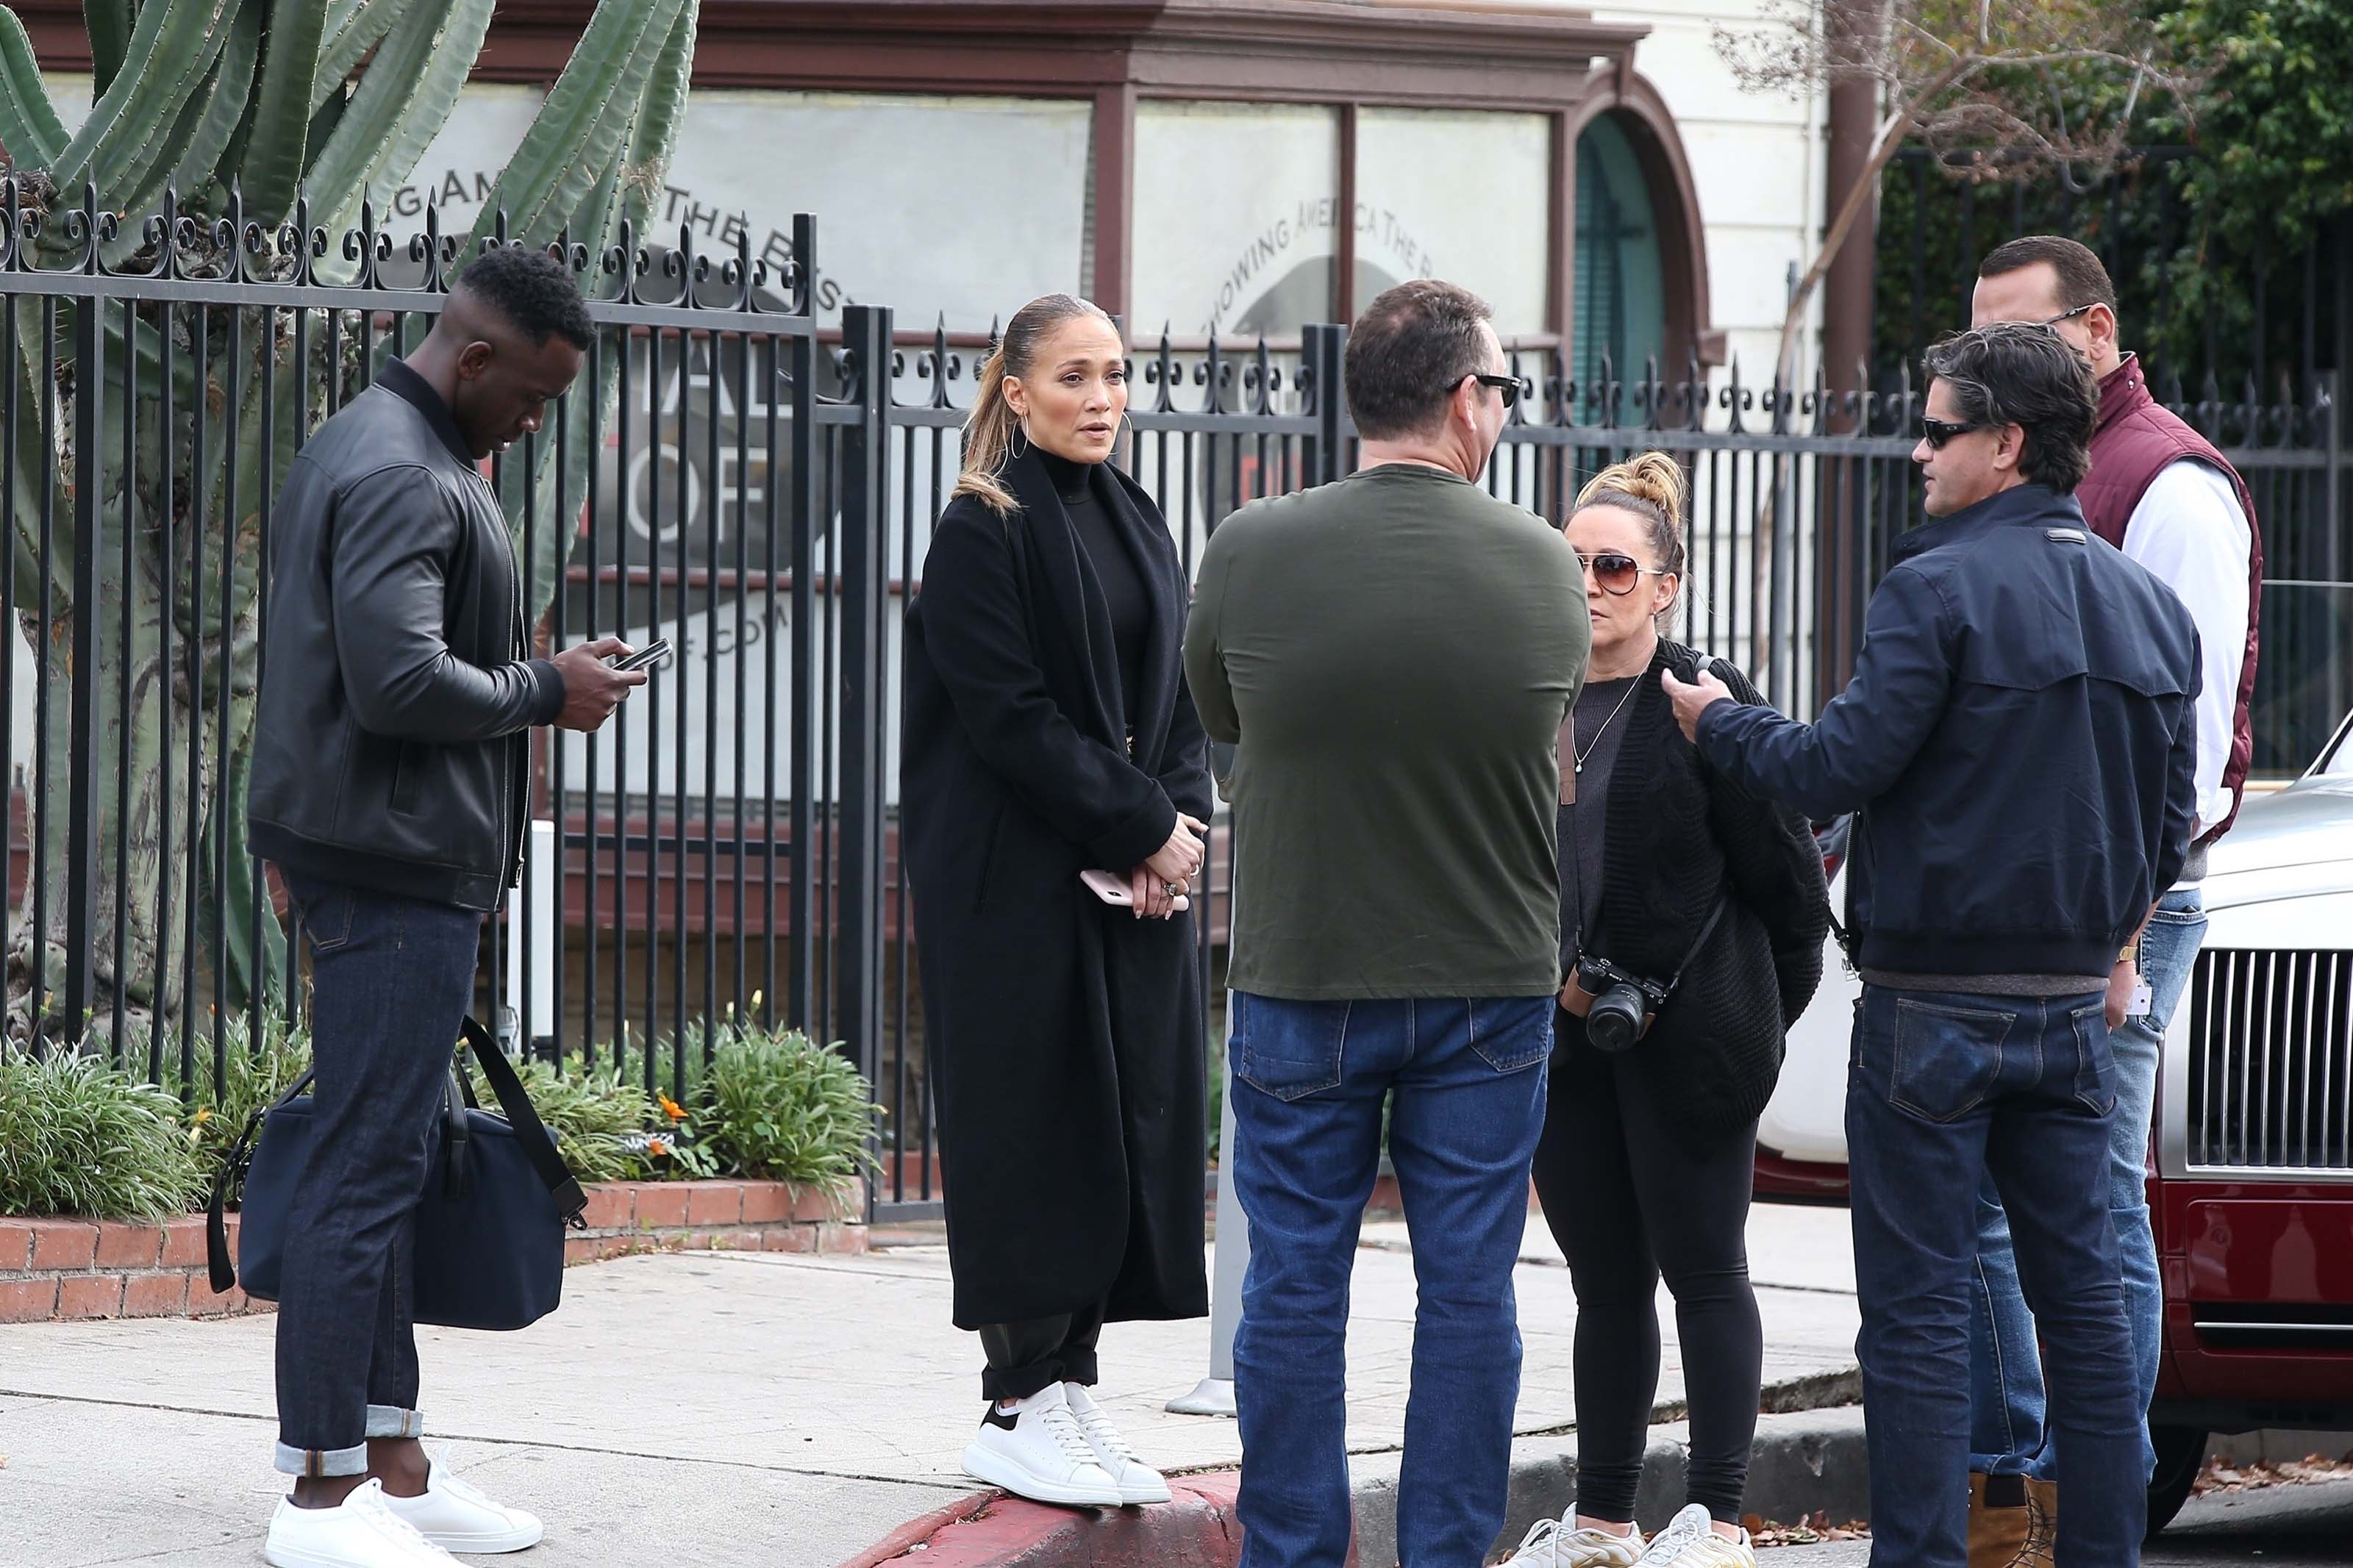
(1064, 1036)
(1679, 833)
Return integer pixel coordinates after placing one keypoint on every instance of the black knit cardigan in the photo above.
(1678, 834)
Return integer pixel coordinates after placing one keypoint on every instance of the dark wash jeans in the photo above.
(1943, 1090)
(391, 979)
(1308, 1080)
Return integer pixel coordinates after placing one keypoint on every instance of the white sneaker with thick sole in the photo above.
(359, 1532)
(455, 1517)
(1038, 1452)
(1690, 1542)
(1137, 1482)
(1551, 1544)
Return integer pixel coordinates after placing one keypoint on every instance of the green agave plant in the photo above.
(279, 117)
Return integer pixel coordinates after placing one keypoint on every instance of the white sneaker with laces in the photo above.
(359, 1532)
(1038, 1451)
(1690, 1542)
(1550, 1543)
(1137, 1482)
(455, 1517)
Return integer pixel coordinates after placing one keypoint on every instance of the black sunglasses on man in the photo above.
(1509, 385)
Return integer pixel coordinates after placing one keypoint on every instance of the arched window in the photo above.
(1620, 299)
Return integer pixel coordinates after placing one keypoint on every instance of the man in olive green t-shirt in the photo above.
(1393, 655)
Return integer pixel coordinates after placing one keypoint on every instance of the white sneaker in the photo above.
(1038, 1452)
(1137, 1482)
(359, 1532)
(1550, 1543)
(1690, 1542)
(454, 1517)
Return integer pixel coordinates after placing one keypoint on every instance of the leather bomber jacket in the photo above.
(391, 745)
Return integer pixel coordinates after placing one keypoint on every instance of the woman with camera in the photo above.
(1692, 919)
(1055, 791)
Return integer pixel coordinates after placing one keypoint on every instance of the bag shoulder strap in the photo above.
(538, 1147)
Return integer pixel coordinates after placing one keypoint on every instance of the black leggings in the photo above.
(1631, 1192)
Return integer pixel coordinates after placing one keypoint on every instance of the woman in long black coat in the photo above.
(1048, 733)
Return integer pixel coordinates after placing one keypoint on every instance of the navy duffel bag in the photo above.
(489, 1224)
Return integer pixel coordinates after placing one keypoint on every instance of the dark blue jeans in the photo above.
(391, 979)
(1308, 1081)
(2005, 1368)
(1944, 1089)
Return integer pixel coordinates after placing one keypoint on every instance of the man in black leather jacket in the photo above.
(390, 787)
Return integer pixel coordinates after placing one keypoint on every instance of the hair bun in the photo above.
(1652, 477)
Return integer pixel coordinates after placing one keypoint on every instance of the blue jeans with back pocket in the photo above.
(2005, 1368)
(1308, 1081)
(391, 979)
(1945, 1091)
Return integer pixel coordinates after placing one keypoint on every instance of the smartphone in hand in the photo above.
(1109, 888)
(653, 653)
(1113, 889)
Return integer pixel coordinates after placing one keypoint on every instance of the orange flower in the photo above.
(655, 1146)
(671, 1107)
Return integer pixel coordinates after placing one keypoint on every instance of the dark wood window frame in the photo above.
(1505, 55)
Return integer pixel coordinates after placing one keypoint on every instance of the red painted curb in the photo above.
(1196, 1529)
(916, 1531)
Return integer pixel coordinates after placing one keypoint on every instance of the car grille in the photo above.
(2271, 1060)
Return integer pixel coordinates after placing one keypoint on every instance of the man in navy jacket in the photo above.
(2020, 743)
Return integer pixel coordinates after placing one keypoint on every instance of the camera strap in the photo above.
(1714, 917)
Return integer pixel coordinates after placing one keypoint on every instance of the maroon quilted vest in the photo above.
(2135, 438)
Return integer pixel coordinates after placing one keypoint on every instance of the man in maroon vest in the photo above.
(2161, 494)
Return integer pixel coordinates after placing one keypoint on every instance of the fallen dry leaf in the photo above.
(1812, 1531)
(2221, 1476)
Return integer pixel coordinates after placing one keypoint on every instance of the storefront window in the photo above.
(966, 208)
(1458, 195)
(1236, 207)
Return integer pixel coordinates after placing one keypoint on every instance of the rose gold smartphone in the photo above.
(1109, 888)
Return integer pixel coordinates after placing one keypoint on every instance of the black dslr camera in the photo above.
(1617, 1006)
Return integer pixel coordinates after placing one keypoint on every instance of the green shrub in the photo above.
(253, 1080)
(598, 1121)
(781, 1108)
(79, 1137)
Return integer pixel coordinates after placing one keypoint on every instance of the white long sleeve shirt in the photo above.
(2192, 534)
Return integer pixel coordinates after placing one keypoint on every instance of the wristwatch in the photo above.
(2131, 954)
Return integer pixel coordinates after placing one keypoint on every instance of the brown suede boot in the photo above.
(2042, 1502)
(2001, 1522)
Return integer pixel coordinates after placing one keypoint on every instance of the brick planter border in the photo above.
(55, 1270)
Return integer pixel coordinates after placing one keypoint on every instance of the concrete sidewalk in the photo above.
(721, 1409)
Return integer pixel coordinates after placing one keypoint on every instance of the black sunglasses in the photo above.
(1509, 385)
(1618, 574)
(2066, 315)
(1937, 432)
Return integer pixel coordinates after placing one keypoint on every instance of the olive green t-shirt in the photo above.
(1392, 656)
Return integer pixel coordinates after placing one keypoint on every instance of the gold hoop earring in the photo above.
(1020, 443)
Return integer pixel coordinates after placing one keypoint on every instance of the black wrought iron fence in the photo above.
(761, 493)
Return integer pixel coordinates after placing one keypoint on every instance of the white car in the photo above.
(2280, 877)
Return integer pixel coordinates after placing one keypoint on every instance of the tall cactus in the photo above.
(259, 111)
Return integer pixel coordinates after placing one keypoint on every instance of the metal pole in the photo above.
(863, 582)
(1214, 1395)
(82, 804)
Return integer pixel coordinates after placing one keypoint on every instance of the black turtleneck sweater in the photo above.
(1114, 567)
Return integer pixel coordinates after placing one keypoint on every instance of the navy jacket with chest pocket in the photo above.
(2018, 739)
